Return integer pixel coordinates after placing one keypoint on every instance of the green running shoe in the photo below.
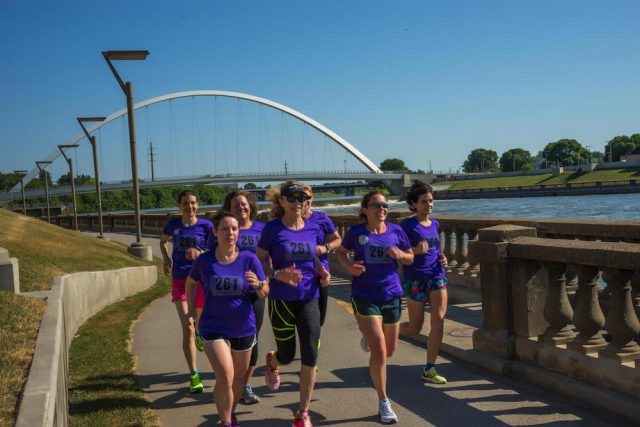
(199, 345)
(196, 385)
(432, 376)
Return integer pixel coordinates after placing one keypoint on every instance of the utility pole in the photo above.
(152, 161)
(286, 171)
(430, 168)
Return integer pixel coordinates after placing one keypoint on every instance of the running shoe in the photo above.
(302, 419)
(234, 421)
(364, 345)
(385, 412)
(199, 344)
(248, 396)
(432, 376)
(272, 376)
(196, 384)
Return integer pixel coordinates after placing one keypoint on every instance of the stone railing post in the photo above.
(9, 272)
(462, 262)
(450, 249)
(557, 309)
(588, 316)
(474, 269)
(496, 335)
(622, 322)
(635, 292)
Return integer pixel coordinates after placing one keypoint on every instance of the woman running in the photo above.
(232, 280)
(291, 243)
(243, 205)
(327, 243)
(425, 279)
(375, 287)
(188, 236)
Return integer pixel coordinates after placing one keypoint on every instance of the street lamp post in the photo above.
(46, 186)
(96, 167)
(138, 248)
(24, 201)
(69, 160)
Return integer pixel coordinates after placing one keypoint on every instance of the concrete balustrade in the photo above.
(529, 317)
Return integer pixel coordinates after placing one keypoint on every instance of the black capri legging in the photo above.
(322, 302)
(258, 308)
(286, 317)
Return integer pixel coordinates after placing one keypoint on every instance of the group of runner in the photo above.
(223, 271)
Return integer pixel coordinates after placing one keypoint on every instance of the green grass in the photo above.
(507, 181)
(19, 322)
(103, 388)
(606, 175)
(45, 251)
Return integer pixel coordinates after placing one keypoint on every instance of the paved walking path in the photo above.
(343, 394)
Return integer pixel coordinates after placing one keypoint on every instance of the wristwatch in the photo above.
(260, 284)
(274, 273)
(328, 248)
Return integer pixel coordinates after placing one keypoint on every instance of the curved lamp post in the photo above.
(63, 148)
(46, 186)
(138, 248)
(96, 167)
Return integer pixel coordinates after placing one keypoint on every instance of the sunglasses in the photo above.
(300, 198)
(377, 205)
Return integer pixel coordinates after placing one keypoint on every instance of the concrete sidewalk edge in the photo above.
(590, 397)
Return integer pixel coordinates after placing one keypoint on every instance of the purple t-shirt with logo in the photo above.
(184, 237)
(425, 266)
(380, 281)
(287, 247)
(228, 304)
(247, 240)
(327, 227)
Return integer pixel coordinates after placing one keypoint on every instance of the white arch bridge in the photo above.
(373, 173)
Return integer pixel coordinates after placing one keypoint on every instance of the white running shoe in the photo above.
(364, 345)
(385, 412)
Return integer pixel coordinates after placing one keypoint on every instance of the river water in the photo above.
(612, 207)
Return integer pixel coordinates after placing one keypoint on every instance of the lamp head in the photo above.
(125, 55)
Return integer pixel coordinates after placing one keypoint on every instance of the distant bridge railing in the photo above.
(220, 179)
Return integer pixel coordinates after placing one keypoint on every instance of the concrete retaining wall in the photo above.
(72, 300)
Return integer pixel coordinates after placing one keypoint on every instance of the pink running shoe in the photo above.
(272, 376)
(302, 419)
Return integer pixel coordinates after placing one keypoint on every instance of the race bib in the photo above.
(374, 254)
(185, 242)
(248, 242)
(302, 251)
(226, 285)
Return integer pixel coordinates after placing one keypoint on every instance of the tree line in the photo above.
(563, 152)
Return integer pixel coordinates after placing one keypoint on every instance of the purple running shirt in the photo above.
(228, 304)
(247, 240)
(286, 247)
(327, 227)
(380, 281)
(425, 266)
(184, 237)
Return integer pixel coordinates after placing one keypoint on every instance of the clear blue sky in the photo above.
(416, 80)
